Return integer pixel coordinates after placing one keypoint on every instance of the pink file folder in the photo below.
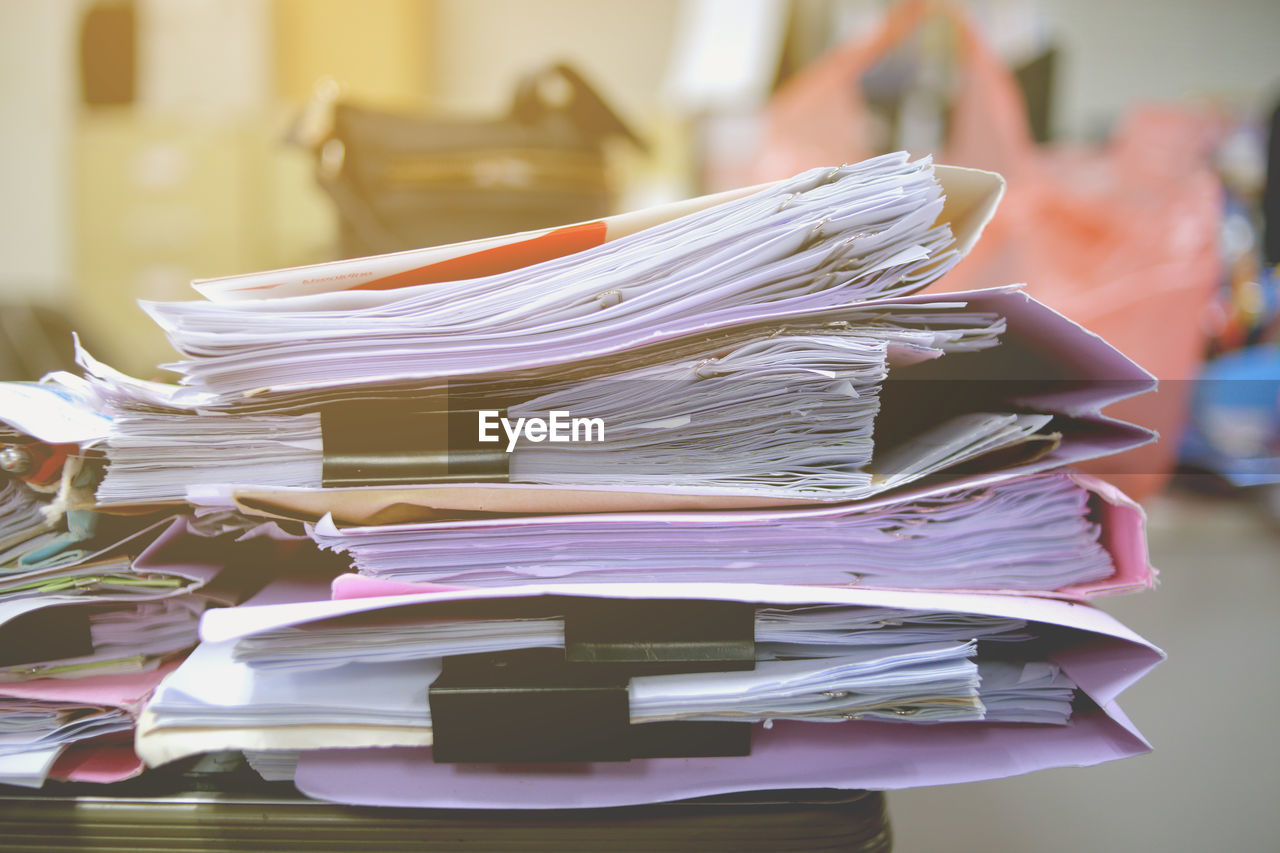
(1097, 652)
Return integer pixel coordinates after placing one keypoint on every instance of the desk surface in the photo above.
(173, 810)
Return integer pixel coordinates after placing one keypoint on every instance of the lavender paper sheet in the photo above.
(1120, 533)
(1105, 659)
(899, 192)
(1082, 374)
(879, 756)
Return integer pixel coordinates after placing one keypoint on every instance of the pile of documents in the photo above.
(706, 498)
(96, 609)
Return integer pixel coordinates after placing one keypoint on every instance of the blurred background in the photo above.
(147, 143)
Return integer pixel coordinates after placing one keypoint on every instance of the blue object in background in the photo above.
(1234, 425)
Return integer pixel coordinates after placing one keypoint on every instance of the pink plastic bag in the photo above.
(1121, 239)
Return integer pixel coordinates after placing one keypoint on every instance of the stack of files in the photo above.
(1059, 533)
(84, 642)
(1029, 405)
(826, 238)
(95, 608)
(89, 624)
(23, 521)
(842, 688)
(834, 238)
(115, 602)
(824, 534)
(376, 396)
(658, 420)
(74, 729)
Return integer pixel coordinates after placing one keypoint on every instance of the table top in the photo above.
(184, 807)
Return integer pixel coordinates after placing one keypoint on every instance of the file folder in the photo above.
(88, 631)
(1008, 536)
(1100, 656)
(348, 396)
(1057, 368)
(100, 759)
(971, 197)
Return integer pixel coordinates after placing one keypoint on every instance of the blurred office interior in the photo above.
(147, 143)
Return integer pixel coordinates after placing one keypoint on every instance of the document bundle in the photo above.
(94, 611)
(712, 497)
(812, 686)
(1057, 533)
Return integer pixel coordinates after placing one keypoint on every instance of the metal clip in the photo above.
(15, 459)
(815, 234)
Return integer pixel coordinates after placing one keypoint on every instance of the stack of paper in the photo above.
(816, 385)
(1028, 405)
(808, 632)
(705, 498)
(286, 678)
(108, 603)
(1046, 532)
(79, 728)
(817, 662)
(674, 341)
(34, 733)
(774, 407)
(826, 238)
(22, 519)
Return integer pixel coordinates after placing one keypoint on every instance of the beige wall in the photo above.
(37, 85)
(622, 46)
(1118, 52)
(377, 49)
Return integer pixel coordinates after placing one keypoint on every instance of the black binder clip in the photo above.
(572, 704)
(430, 440)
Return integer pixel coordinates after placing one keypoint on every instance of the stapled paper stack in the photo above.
(96, 609)
(709, 498)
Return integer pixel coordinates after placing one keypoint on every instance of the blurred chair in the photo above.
(403, 181)
(35, 340)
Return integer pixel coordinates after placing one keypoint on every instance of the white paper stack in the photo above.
(34, 733)
(1034, 533)
(786, 447)
(23, 522)
(287, 688)
(693, 420)
(827, 237)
